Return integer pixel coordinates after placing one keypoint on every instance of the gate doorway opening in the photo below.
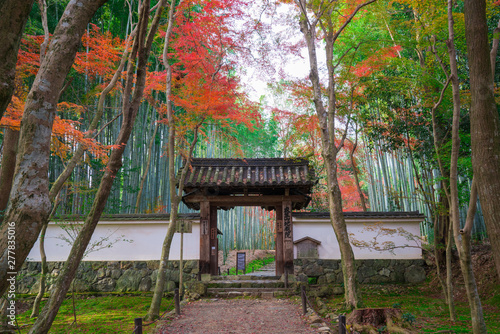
(275, 184)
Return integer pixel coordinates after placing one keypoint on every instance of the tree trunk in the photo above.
(146, 170)
(7, 166)
(449, 276)
(43, 276)
(485, 122)
(45, 268)
(326, 116)
(356, 175)
(14, 14)
(154, 308)
(131, 102)
(29, 204)
(462, 240)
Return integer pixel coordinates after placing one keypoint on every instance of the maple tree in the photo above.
(101, 54)
(200, 89)
(133, 93)
(28, 200)
(300, 135)
(14, 16)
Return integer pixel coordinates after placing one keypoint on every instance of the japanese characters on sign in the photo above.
(240, 261)
(279, 226)
(204, 227)
(287, 219)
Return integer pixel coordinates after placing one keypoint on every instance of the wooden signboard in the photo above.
(204, 227)
(184, 226)
(240, 262)
(279, 225)
(287, 222)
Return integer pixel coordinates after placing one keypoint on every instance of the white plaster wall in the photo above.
(321, 230)
(146, 241)
(147, 238)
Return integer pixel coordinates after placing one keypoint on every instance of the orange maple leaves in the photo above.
(101, 52)
(204, 84)
(376, 62)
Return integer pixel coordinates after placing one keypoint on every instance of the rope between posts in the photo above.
(154, 321)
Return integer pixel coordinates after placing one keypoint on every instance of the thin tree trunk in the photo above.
(485, 122)
(326, 118)
(11, 138)
(146, 170)
(29, 204)
(462, 241)
(449, 276)
(132, 97)
(14, 14)
(45, 268)
(356, 176)
(43, 276)
(58, 184)
(154, 308)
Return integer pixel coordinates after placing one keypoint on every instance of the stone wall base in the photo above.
(101, 276)
(369, 271)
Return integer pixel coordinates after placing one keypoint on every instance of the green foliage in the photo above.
(396, 305)
(409, 317)
(312, 280)
(252, 266)
(426, 308)
(110, 313)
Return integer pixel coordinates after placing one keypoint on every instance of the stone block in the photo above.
(414, 274)
(80, 286)
(196, 287)
(129, 281)
(312, 269)
(153, 264)
(101, 273)
(145, 284)
(169, 286)
(385, 272)
(115, 273)
(105, 285)
(140, 265)
(338, 290)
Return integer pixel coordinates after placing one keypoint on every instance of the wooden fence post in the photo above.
(176, 300)
(303, 296)
(342, 328)
(138, 326)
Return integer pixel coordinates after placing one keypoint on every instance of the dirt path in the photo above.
(239, 316)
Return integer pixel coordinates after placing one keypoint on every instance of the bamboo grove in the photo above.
(389, 180)
(400, 90)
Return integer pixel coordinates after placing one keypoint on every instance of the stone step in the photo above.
(246, 284)
(244, 278)
(254, 292)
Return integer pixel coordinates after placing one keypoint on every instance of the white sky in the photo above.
(293, 66)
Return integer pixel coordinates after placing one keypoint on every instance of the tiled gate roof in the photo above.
(249, 173)
(264, 178)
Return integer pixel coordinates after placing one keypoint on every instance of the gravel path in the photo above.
(239, 316)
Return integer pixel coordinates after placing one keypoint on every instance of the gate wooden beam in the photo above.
(205, 237)
(214, 244)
